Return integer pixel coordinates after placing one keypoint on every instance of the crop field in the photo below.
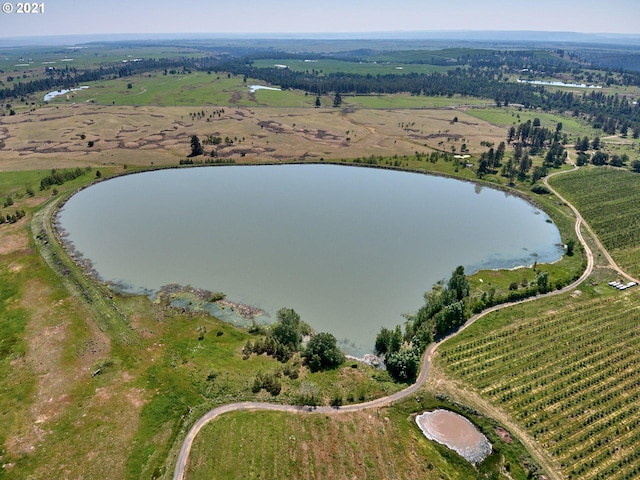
(608, 199)
(570, 376)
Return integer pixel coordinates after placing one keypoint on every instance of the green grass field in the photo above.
(374, 445)
(508, 116)
(327, 66)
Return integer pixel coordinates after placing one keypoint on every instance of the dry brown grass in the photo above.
(13, 237)
(51, 136)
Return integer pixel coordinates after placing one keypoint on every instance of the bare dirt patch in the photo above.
(12, 241)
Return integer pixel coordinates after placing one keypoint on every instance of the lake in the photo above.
(350, 249)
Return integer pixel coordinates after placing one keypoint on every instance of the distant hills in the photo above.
(494, 39)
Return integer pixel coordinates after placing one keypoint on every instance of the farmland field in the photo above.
(608, 199)
(569, 376)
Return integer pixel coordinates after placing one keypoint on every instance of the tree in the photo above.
(616, 161)
(600, 158)
(542, 280)
(403, 365)
(322, 352)
(459, 283)
(337, 100)
(129, 86)
(287, 330)
(571, 245)
(635, 166)
(383, 341)
(318, 102)
(583, 159)
(596, 143)
(582, 145)
(196, 146)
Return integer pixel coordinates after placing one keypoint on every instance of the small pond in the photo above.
(455, 432)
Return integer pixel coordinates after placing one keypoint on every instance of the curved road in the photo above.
(183, 457)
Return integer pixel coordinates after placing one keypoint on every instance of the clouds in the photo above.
(288, 16)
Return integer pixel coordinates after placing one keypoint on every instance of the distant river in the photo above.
(350, 249)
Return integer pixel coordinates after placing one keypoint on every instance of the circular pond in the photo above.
(350, 249)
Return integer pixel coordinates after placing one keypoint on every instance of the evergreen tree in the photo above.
(196, 146)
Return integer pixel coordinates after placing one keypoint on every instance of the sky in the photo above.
(70, 17)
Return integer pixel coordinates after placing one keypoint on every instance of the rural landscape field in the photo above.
(98, 380)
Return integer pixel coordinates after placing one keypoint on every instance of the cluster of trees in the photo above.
(285, 337)
(213, 160)
(58, 177)
(530, 138)
(444, 310)
(12, 218)
(602, 158)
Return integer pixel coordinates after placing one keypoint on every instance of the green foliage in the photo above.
(444, 310)
(322, 352)
(540, 189)
(403, 365)
(270, 382)
(196, 146)
(287, 331)
(388, 341)
(283, 338)
(59, 177)
(571, 245)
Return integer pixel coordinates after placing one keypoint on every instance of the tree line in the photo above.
(444, 310)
